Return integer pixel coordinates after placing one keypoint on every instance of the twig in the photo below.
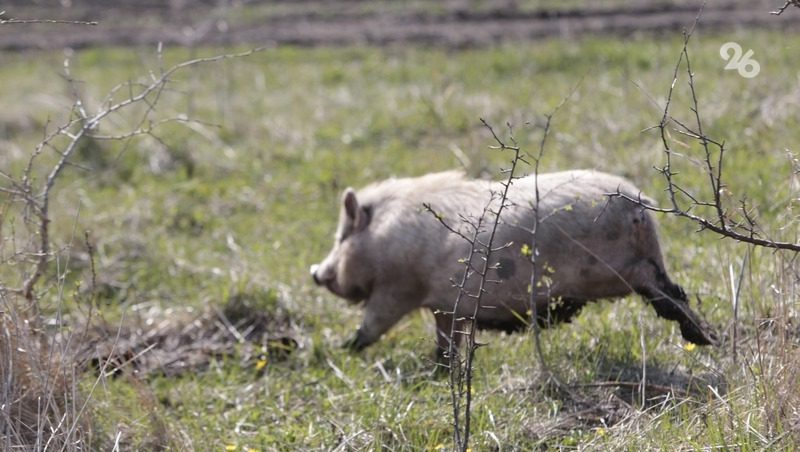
(487, 253)
(461, 370)
(12, 21)
(735, 291)
(744, 230)
(534, 281)
(786, 5)
(87, 124)
(706, 224)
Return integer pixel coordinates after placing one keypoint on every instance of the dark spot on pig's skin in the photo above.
(506, 268)
(613, 236)
(591, 260)
(584, 272)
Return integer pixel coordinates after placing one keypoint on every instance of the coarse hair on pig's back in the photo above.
(412, 189)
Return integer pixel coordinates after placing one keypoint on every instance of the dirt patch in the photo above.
(174, 341)
(309, 22)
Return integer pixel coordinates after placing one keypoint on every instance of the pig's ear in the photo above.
(350, 203)
(358, 215)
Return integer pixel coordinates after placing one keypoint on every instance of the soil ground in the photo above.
(318, 22)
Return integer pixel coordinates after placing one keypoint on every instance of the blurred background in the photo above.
(453, 23)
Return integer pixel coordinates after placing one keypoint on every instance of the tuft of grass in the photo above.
(41, 406)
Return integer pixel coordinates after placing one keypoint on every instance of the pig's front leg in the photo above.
(384, 309)
(358, 341)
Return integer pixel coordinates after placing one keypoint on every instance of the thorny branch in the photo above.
(83, 124)
(486, 252)
(461, 369)
(786, 5)
(480, 249)
(746, 229)
(456, 367)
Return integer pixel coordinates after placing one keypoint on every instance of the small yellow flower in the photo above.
(252, 449)
(439, 446)
(261, 363)
(601, 432)
(689, 346)
(230, 447)
(526, 250)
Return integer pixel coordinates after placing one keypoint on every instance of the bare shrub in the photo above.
(709, 210)
(43, 403)
(763, 364)
(478, 263)
(710, 207)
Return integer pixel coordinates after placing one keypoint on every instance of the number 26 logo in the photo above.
(744, 64)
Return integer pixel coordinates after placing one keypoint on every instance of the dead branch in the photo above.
(788, 3)
(12, 21)
(745, 229)
(45, 357)
(83, 124)
(751, 237)
(480, 249)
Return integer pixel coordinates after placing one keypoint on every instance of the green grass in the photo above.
(247, 199)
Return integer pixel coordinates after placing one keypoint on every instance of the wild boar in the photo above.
(394, 255)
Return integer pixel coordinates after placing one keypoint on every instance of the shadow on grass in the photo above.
(620, 392)
(174, 341)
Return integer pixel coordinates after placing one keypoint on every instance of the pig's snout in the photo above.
(322, 274)
(314, 269)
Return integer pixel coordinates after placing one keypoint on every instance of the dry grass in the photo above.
(42, 407)
(172, 341)
(47, 403)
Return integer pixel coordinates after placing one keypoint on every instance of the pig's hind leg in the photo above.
(670, 302)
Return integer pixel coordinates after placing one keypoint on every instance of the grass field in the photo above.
(235, 206)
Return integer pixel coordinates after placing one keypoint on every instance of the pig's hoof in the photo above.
(698, 333)
(356, 343)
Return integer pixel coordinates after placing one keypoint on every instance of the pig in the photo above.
(393, 253)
